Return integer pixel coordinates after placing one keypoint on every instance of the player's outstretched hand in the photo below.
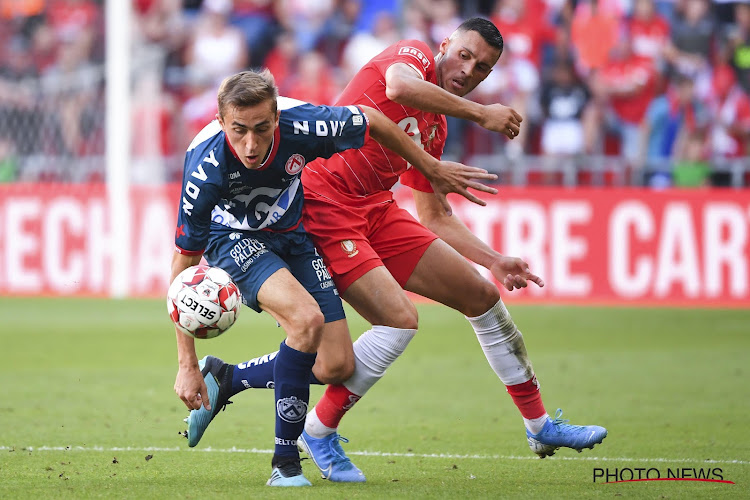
(452, 177)
(191, 388)
(503, 119)
(513, 272)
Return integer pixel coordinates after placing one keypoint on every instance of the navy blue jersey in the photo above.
(218, 189)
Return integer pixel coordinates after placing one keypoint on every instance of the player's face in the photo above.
(465, 60)
(250, 131)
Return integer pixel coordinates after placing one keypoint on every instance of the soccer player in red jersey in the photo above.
(376, 250)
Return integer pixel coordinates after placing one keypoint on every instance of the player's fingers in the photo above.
(517, 116)
(480, 175)
(471, 197)
(203, 398)
(508, 283)
(481, 187)
(535, 279)
(519, 281)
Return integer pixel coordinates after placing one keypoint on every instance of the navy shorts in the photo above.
(251, 257)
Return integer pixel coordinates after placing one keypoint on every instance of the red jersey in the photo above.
(365, 176)
(635, 71)
(649, 37)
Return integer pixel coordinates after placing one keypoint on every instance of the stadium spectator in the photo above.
(364, 45)
(257, 21)
(162, 26)
(594, 31)
(622, 89)
(730, 109)
(443, 20)
(216, 48)
(564, 99)
(525, 28)
(415, 22)
(77, 21)
(73, 89)
(19, 113)
(692, 169)
(338, 29)
(305, 19)
(648, 31)
(313, 81)
(692, 44)
(738, 44)
(282, 60)
(669, 120)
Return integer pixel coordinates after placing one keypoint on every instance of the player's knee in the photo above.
(405, 317)
(485, 295)
(306, 328)
(336, 371)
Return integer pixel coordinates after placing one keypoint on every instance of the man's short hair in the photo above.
(486, 29)
(246, 89)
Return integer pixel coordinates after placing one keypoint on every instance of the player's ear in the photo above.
(444, 45)
(221, 122)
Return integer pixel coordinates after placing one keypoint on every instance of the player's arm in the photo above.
(444, 176)
(189, 384)
(405, 86)
(512, 272)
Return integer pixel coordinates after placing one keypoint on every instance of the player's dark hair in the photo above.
(246, 89)
(486, 29)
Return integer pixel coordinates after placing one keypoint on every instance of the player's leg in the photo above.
(282, 296)
(335, 362)
(443, 275)
(379, 298)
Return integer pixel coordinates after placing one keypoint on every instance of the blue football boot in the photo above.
(219, 385)
(288, 473)
(558, 433)
(330, 458)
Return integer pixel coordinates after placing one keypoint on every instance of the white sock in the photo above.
(315, 427)
(535, 425)
(374, 351)
(503, 345)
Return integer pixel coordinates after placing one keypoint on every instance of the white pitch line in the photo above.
(382, 454)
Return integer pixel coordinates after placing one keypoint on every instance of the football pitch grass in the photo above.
(87, 407)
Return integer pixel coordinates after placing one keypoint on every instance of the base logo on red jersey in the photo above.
(294, 164)
(349, 248)
(417, 54)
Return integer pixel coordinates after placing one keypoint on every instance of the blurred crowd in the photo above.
(661, 85)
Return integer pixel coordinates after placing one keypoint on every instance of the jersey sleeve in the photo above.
(414, 179)
(414, 53)
(201, 191)
(326, 130)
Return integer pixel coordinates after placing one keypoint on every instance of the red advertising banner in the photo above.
(647, 247)
(670, 247)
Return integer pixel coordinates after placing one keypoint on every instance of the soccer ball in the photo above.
(203, 301)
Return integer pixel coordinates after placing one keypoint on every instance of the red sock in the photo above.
(336, 401)
(527, 398)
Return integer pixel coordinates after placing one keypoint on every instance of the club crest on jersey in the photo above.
(416, 54)
(349, 248)
(291, 409)
(294, 164)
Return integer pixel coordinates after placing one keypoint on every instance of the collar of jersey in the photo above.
(271, 155)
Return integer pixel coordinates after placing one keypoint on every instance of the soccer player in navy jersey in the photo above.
(241, 208)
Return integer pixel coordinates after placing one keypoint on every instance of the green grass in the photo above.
(95, 375)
